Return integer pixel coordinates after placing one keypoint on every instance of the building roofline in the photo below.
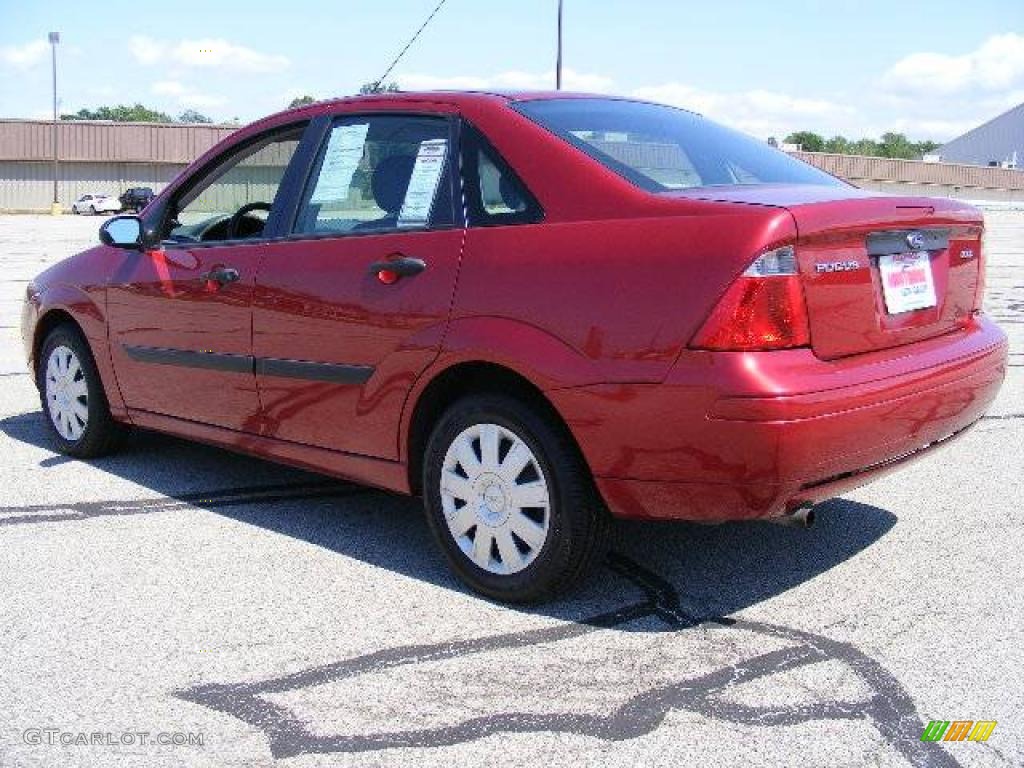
(45, 121)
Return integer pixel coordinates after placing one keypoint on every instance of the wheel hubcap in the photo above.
(67, 395)
(495, 498)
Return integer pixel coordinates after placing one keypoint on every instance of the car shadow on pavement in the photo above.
(725, 567)
(662, 579)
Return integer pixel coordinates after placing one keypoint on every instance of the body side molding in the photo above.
(337, 373)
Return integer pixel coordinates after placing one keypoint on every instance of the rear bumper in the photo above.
(727, 451)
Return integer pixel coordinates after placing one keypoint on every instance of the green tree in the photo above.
(890, 145)
(808, 141)
(839, 145)
(378, 87)
(300, 101)
(896, 145)
(191, 116)
(122, 113)
(868, 147)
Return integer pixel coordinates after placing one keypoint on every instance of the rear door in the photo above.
(180, 317)
(352, 305)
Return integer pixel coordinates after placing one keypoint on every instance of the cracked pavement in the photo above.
(301, 621)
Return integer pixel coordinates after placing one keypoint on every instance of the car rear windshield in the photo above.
(661, 149)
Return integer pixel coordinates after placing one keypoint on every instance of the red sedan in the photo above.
(532, 310)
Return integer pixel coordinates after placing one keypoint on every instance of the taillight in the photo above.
(763, 309)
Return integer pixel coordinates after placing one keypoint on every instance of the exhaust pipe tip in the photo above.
(801, 517)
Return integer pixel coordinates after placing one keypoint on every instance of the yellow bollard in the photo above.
(56, 209)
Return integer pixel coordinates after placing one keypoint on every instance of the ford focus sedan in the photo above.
(535, 311)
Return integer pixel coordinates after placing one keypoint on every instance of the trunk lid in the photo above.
(850, 242)
(885, 271)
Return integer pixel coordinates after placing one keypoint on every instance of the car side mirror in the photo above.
(123, 232)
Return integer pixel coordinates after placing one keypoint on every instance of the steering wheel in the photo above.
(236, 218)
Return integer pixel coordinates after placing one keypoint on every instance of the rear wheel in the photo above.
(510, 501)
(72, 396)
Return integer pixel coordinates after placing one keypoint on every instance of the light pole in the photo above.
(558, 61)
(55, 208)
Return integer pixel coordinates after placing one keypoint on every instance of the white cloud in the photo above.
(184, 95)
(168, 88)
(25, 56)
(513, 80)
(146, 50)
(997, 64)
(207, 52)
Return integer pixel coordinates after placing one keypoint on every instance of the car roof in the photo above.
(450, 97)
(458, 96)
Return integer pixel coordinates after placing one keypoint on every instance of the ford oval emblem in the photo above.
(916, 241)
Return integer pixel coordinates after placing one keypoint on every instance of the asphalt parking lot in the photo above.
(278, 617)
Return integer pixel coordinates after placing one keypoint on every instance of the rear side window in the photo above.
(661, 149)
(495, 196)
(380, 174)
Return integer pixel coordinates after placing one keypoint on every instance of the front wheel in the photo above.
(510, 501)
(72, 396)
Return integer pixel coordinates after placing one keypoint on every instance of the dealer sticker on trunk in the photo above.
(907, 282)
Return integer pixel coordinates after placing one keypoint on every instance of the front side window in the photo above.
(661, 149)
(234, 200)
(379, 174)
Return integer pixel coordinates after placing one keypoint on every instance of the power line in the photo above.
(409, 44)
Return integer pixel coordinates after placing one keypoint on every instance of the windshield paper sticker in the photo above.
(426, 174)
(343, 155)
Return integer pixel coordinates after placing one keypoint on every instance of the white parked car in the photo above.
(94, 204)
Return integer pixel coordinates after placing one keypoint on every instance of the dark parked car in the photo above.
(136, 198)
(532, 310)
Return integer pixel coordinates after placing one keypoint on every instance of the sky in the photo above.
(858, 68)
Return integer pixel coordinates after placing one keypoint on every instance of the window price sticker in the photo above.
(343, 155)
(426, 175)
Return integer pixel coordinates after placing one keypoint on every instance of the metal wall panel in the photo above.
(103, 141)
(28, 186)
(1000, 140)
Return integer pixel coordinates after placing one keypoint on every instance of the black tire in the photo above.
(578, 522)
(101, 435)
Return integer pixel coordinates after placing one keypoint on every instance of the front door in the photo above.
(180, 317)
(352, 306)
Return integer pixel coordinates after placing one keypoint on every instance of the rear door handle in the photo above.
(220, 275)
(390, 270)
